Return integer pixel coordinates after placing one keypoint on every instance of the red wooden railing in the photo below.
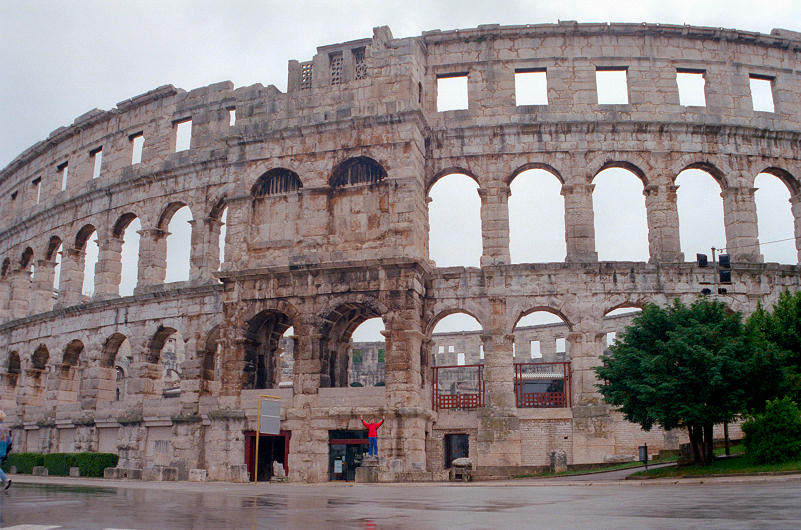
(555, 396)
(470, 377)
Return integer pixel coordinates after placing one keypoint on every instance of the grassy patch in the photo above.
(599, 469)
(733, 465)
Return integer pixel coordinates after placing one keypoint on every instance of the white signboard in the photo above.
(269, 415)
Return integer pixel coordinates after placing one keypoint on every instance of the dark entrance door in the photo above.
(345, 453)
(272, 448)
(456, 446)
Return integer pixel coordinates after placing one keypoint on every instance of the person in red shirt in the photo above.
(372, 435)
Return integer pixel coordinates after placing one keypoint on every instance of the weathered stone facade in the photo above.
(325, 191)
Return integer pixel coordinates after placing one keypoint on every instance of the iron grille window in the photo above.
(359, 64)
(305, 76)
(275, 182)
(335, 60)
(361, 170)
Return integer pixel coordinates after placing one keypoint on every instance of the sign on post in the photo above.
(269, 422)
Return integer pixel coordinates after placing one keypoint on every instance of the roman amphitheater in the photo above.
(322, 194)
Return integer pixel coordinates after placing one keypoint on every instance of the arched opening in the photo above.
(115, 361)
(775, 221)
(615, 322)
(168, 349)
(700, 209)
(221, 237)
(277, 181)
(13, 369)
(541, 355)
(456, 357)
(127, 230)
(179, 242)
(454, 222)
(262, 351)
(37, 375)
(355, 171)
(209, 364)
(69, 378)
(336, 341)
(86, 242)
(536, 218)
(26, 264)
(621, 221)
(54, 249)
(367, 359)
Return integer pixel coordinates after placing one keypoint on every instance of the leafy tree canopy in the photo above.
(680, 366)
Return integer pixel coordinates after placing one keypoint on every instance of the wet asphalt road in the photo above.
(774, 504)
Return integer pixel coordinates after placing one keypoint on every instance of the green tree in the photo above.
(680, 367)
(777, 345)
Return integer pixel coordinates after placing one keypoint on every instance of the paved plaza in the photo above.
(750, 502)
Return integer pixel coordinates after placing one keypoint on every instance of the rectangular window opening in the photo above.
(335, 62)
(231, 117)
(183, 135)
(452, 92)
(761, 92)
(691, 85)
(64, 170)
(460, 359)
(612, 85)
(441, 349)
(359, 64)
(531, 87)
(97, 155)
(37, 183)
(481, 351)
(610, 338)
(561, 345)
(137, 142)
(535, 350)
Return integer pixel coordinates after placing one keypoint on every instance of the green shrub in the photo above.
(59, 464)
(775, 435)
(25, 462)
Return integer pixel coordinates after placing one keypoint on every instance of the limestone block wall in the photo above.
(322, 190)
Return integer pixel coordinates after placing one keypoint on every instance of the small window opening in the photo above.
(14, 196)
(452, 92)
(183, 135)
(306, 76)
(137, 142)
(561, 345)
(531, 87)
(612, 85)
(535, 350)
(761, 93)
(450, 349)
(514, 350)
(610, 338)
(481, 351)
(231, 117)
(37, 183)
(691, 88)
(64, 170)
(335, 62)
(441, 349)
(97, 155)
(359, 64)
(460, 359)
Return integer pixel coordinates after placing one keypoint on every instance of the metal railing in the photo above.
(457, 387)
(542, 385)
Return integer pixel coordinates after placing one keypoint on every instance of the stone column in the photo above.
(495, 223)
(71, 282)
(152, 257)
(236, 232)
(795, 206)
(306, 371)
(42, 287)
(579, 223)
(98, 384)
(108, 268)
(145, 381)
(5, 298)
(232, 359)
(198, 265)
(20, 293)
(739, 216)
(211, 259)
(664, 243)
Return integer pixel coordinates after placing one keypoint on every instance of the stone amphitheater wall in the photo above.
(325, 188)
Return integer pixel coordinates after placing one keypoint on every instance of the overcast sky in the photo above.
(59, 59)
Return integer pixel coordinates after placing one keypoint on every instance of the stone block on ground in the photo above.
(75, 472)
(198, 475)
(39, 471)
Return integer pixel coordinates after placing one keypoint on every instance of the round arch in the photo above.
(276, 181)
(357, 170)
(452, 170)
(622, 164)
(706, 167)
(543, 309)
(534, 165)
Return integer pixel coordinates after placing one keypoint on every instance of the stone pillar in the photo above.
(211, 258)
(98, 384)
(108, 268)
(42, 287)
(232, 360)
(739, 216)
(579, 223)
(795, 206)
(306, 371)
(236, 232)
(20, 300)
(190, 385)
(145, 381)
(152, 257)
(198, 264)
(5, 298)
(663, 224)
(494, 223)
(71, 282)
